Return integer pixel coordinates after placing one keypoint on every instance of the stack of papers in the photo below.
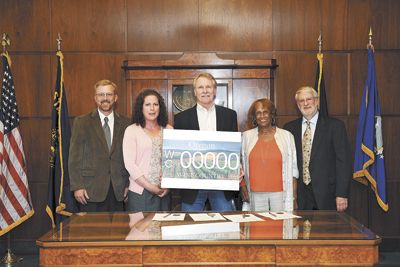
(243, 218)
(169, 217)
(213, 231)
(198, 217)
(278, 215)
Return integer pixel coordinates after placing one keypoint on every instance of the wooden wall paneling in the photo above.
(388, 80)
(244, 94)
(40, 222)
(162, 25)
(334, 21)
(358, 23)
(82, 71)
(32, 84)
(358, 198)
(387, 67)
(385, 223)
(36, 140)
(335, 71)
(294, 70)
(358, 202)
(282, 120)
(192, 73)
(391, 143)
(382, 222)
(138, 85)
(296, 24)
(358, 70)
(239, 25)
(89, 25)
(385, 24)
(147, 74)
(27, 23)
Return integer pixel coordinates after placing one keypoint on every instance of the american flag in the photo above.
(15, 200)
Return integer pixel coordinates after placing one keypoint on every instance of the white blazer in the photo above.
(285, 141)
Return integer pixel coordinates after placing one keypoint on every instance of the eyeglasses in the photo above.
(104, 94)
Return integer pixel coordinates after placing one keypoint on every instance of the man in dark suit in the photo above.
(206, 116)
(98, 176)
(323, 156)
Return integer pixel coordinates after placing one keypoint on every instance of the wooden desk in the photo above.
(122, 239)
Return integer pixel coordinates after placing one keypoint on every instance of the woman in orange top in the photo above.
(269, 160)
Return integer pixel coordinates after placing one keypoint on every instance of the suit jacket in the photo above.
(91, 165)
(187, 120)
(330, 161)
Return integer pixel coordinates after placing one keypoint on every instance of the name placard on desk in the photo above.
(201, 159)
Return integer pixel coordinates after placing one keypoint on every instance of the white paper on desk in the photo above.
(243, 218)
(169, 217)
(278, 215)
(217, 230)
(198, 217)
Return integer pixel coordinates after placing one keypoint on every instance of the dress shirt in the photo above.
(110, 122)
(313, 126)
(207, 118)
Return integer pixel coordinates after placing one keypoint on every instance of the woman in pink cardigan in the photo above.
(142, 150)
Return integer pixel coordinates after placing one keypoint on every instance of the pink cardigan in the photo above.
(137, 147)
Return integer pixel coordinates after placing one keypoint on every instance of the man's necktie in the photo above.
(107, 132)
(306, 229)
(306, 154)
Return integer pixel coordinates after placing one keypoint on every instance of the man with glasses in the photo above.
(323, 156)
(98, 176)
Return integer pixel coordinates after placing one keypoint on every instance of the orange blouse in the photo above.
(265, 167)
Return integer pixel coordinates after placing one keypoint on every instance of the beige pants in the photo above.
(266, 201)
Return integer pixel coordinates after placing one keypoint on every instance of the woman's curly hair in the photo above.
(138, 117)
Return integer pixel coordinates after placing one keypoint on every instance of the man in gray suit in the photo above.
(98, 176)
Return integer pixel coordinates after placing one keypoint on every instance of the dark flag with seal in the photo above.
(60, 201)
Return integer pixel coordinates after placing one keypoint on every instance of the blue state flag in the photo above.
(369, 163)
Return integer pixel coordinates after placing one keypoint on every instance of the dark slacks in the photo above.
(305, 196)
(110, 204)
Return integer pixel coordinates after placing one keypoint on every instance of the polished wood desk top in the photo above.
(114, 229)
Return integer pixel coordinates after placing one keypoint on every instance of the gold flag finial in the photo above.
(59, 42)
(370, 45)
(320, 42)
(5, 41)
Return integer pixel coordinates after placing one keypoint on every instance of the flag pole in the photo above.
(59, 42)
(320, 43)
(9, 257)
(369, 45)
(5, 41)
(369, 195)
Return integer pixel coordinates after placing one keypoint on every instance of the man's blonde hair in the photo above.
(207, 76)
(105, 83)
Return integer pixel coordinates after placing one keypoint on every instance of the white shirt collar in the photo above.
(110, 117)
(313, 119)
(207, 118)
(200, 108)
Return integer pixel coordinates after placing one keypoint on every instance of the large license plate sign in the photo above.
(201, 159)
